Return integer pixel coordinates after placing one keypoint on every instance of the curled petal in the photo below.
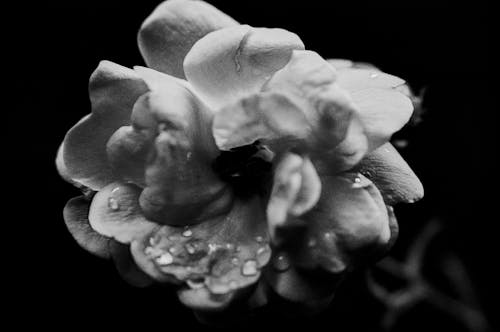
(304, 286)
(76, 217)
(233, 62)
(296, 189)
(382, 112)
(181, 186)
(113, 91)
(168, 34)
(349, 223)
(392, 175)
(203, 299)
(115, 213)
(126, 266)
(220, 255)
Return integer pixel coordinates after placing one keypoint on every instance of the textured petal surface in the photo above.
(234, 62)
(113, 91)
(392, 175)
(219, 255)
(76, 214)
(126, 266)
(181, 186)
(383, 112)
(168, 34)
(301, 108)
(115, 213)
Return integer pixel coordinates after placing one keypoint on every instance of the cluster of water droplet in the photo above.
(205, 262)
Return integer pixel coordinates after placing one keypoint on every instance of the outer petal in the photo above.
(126, 266)
(234, 62)
(382, 99)
(115, 213)
(76, 217)
(181, 186)
(392, 175)
(113, 91)
(168, 34)
(382, 112)
(215, 257)
(301, 107)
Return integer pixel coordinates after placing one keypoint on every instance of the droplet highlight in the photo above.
(165, 259)
(249, 268)
(113, 204)
(281, 262)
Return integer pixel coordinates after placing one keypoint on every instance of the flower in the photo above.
(237, 164)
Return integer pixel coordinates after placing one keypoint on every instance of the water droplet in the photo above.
(328, 236)
(229, 246)
(374, 75)
(196, 283)
(190, 248)
(235, 261)
(212, 247)
(259, 239)
(249, 268)
(189, 155)
(113, 204)
(312, 242)
(281, 262)
(165, 259)
(357, 181)
(261, 250)
(187, 232)
(173, 250)
(152, 241)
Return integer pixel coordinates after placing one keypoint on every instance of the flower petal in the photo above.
(392, 175)
(296, 189)
(222, 254)
(230, 63)
(126, 266)
(113, 91)
(76, 217)
(356, 79)
(115, 212)
(301, 108)
(382, 112)
(168, 34)
(347, 226)
(181, 186)
(203, 299)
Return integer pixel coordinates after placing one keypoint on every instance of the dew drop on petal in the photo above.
(374, 75)
(113, 204)
(281, 262)
(190, 248)
(196, 283)
(249, 268)
(235, 261)
(172, 250)
(259, 239)
(357, 182)
(187, 232)
(165, 259)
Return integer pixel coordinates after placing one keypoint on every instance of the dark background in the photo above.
(442, 46)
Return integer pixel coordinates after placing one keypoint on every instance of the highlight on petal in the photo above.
(214, 258)
(392, 175)
(168, 34)
(115, 213)
(296, 189)
(234, 62)
(355, 79)
(382, 112)
(113, 91)
(181, 186)
(126, 266)
(76, 217)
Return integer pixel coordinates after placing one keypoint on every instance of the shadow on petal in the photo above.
(113, 91)
(168, 34)
(76, 217)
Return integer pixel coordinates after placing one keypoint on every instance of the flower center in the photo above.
(247, 168)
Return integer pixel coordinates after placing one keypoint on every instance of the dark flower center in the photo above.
(247, 169)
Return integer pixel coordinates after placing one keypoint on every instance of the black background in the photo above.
(442, 46)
